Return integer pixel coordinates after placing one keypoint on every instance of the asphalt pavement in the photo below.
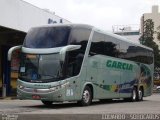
(33, 109)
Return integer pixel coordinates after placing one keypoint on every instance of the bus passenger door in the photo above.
(92, 72)
(74, 74)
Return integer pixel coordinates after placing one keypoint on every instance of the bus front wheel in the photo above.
(48, 103)
(86, 97)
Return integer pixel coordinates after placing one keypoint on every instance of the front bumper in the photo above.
(46, 96)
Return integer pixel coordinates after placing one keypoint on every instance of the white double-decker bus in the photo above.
(75, 62)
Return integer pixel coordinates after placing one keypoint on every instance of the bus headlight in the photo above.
(65, 84)
(54, 88)
(20, 86)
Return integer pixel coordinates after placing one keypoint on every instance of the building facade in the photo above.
(155, 16)
(16, 18)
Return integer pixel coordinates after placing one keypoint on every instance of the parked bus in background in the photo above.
(76, 62)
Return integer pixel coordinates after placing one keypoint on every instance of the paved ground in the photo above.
(150, 105)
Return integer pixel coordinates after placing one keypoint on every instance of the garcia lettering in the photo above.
(119, 65)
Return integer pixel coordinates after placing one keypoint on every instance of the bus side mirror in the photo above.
(10, 51)
(67, 48)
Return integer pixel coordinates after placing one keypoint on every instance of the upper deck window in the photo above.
(47, 37)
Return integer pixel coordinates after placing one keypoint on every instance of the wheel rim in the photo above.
(140, 94)
(86, 96)
(134, 95)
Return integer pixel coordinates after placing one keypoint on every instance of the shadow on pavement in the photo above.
(75, 104)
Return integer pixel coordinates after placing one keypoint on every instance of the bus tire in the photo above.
(48, 103)
(86, 97)
(134, 96)
(140, 94)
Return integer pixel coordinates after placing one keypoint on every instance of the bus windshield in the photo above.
(40, 68)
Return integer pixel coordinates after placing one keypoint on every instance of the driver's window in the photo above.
(74, 62)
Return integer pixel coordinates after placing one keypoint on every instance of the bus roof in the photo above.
(71, 24)
(98, 30)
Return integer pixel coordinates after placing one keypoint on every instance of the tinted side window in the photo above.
(150, 56)
(135, 53)
(79, 36)
(97, 45)
(111, 46)
(74, 58)
(104, 45)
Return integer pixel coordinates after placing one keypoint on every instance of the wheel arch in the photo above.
(90, 85)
